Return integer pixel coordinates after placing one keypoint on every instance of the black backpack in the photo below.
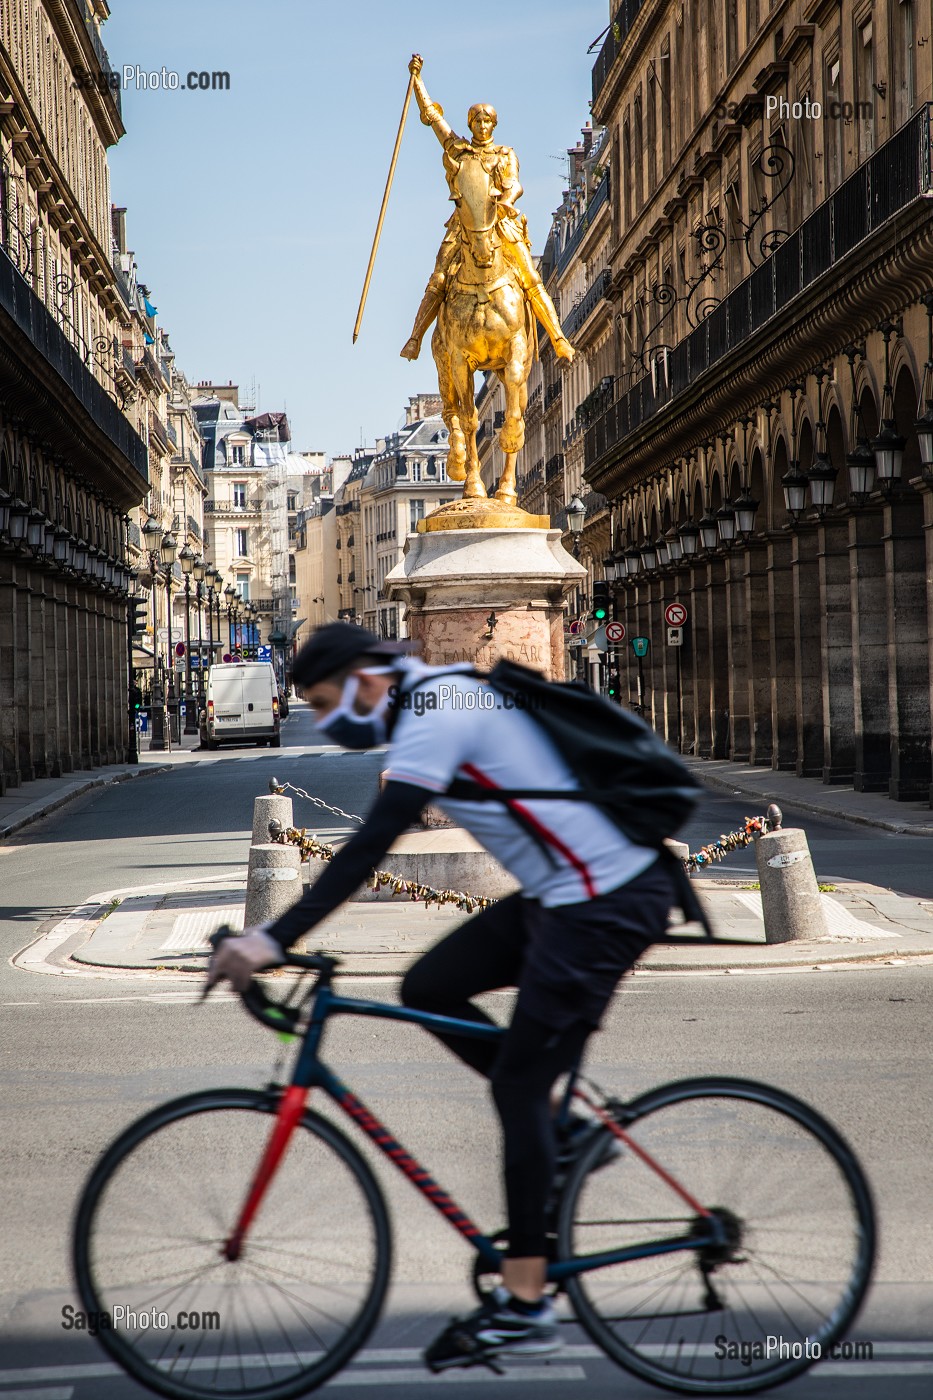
(620, 763)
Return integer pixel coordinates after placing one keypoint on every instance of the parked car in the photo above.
(242, 705)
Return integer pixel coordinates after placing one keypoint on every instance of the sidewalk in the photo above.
(166, 929)
(838, 801)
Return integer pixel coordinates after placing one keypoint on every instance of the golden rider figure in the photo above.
(501, 165)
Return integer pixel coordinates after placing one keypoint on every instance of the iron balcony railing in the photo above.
(588, 303)
(622, 21)
(553, 392)
(597, 200)
(194, 528)
(899, 172)
(112, 83)
(34, 319)
(554, 466)
(172, 435)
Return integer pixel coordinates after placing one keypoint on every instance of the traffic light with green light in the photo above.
(602, 599)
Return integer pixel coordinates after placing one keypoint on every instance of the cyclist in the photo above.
(590, 903)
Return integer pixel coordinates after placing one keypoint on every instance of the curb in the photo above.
(54, 803)
(735, 789)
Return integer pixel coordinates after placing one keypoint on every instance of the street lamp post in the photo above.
(152, 534)
(576, 515)
(186, 558)
(199, 572)
(169, 551)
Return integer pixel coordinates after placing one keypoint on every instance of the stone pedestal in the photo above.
(483, 595)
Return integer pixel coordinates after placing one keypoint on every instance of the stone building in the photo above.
(406, 480)
(248, 463)
(761, 424)
(315, 550)
(74, 455)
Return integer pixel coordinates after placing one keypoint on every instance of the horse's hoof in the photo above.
(512, 439)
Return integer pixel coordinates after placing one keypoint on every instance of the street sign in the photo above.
(675, 615)
(675, 636)
(179, 648)
(577, 642)
(264, 654)
(615, 632)
(640, 646)
(599, 639)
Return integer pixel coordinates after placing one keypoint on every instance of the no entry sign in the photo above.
(675, 614)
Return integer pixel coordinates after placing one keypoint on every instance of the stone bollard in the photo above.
(273, 883)
(680, 849)
(266, 810)
(790, 899)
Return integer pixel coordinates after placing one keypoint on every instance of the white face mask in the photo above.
(355, 731)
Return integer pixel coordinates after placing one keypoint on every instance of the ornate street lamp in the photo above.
(169, 551)
(675, 545)
(689, 534)
(611, 568)
(708, 531)
(662, 551)
(152, 536)
(725, 525)
(860, 461)
(888, 446)
(576, 515)
(649, 556)
(198, 573)
(794, 481)
(632, 562)
(186, 558)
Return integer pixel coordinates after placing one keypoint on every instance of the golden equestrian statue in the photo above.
(485, 293)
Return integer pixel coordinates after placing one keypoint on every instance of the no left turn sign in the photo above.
(675, 614)
(615, 632)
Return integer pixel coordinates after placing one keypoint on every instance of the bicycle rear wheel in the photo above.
(185, 1321)
(798, 1217)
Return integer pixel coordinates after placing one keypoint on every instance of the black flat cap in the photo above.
(337, 645)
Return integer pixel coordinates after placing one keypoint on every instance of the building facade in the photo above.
(406, 480)
(768, 291)
(74, 455)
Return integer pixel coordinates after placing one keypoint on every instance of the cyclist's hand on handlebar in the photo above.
(239, 959)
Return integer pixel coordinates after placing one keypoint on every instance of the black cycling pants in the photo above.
(566, 963)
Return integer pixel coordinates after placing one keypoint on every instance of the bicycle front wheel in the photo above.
(182, 1319)
(797, 1238)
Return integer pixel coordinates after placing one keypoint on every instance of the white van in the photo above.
(242, 704)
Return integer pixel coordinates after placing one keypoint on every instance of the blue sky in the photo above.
(251, 212)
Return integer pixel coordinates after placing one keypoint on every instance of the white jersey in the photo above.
(455, 726)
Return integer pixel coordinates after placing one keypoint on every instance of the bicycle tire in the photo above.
(799, 1127)
(104, 1221)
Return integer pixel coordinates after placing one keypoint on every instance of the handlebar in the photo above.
(271, 1013)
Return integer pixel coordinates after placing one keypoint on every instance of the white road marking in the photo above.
(527, 1374)
(61, 1392)
(841, 924)
(192, 929)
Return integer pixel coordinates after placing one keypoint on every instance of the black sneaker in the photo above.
(495, 1329)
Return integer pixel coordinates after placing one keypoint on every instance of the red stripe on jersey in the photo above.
(550, 837)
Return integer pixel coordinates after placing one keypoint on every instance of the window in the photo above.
(732, 34)
(292, 500)
(242, 583)
(237, 455)
(650, 129)
(416, 513)
(241, 543)
(832, 126)
(865, 96)
(239, 495)
(664, 83)
(903, 54)
(292, 569)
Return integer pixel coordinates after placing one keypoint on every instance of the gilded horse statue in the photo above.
(485, 293)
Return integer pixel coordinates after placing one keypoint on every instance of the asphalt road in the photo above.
(82, 1057)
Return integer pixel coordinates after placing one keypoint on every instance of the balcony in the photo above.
(597, 201)
(552, 393)
(898, 174)
(588, 304)
(35, 321)
(194, 528)
(112, 83)
(172, 435)
(147, 367)
(622, 21)
(554, 467)
(228, 508)
(158, 430)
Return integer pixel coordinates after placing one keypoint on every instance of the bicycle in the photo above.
(766, 1231)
